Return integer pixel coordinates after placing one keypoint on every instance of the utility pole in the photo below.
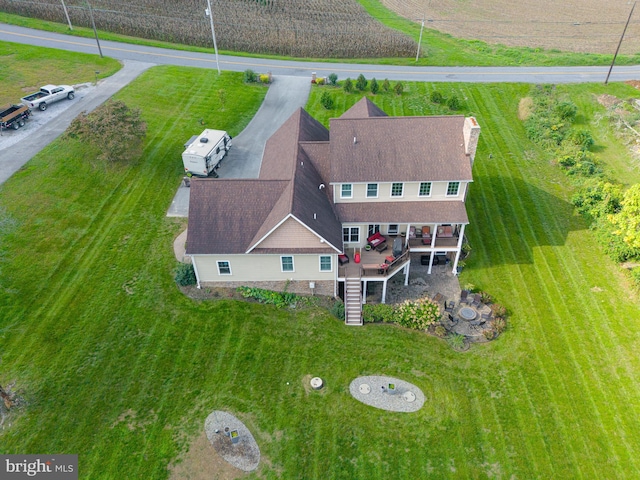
(209, 13)
(66, 14)
(619, 43)
(420, 39)
(95, 32)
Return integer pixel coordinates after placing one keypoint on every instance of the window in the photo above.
(325, 263)
(397, 188)
(425, 189)
(393, 229)
(346, 191)
(287, 264)
(452, 188)
(373, 229)
(224, 268)
(372, 190)
(351, 234)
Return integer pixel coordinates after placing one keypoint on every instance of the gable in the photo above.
(291, 234)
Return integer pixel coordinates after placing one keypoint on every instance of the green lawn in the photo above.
(119, 367)
(44, 66)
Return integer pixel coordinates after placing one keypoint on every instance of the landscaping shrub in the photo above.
(185, 275)
(361, 83)
(582, 139)
(249, 76)
(436, 97)
(417, 314)
(490, 333)
(398, 88)
(598, 199)
(498, 310)
(453, 103)
(348, 85)
(380, 312)
(440, 331)
(375, 87)
(635, 276)
(456, 341)
(264, 78)
(319, 81)
(566, 110)
(333, 79)
(279, 299)
(499, 325)
(327, 100)
(386, 85)
(486, 298)
(337, 310)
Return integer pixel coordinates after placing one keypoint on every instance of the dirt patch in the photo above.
(525, 107)
(608, 101)
(577, 26)
(633, 83)
(202, 462)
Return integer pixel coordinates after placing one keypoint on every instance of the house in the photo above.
(321, 194)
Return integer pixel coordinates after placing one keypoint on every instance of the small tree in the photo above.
(361, 83)
(348, 85)
(436, 97)
(398, 88)
(115, 129)
(185, 275)
(627, 220)
(326, 100)
(374, 86)
(386, 85)
(453, 103)
(333, 79)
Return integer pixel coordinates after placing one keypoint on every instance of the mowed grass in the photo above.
(46, 66)
(119, 367)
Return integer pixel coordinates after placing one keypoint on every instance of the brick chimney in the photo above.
(471, 133)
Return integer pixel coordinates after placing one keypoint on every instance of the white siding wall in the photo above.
(245, 268)
(410, 194)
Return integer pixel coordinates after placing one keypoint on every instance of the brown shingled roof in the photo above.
(364, 108)
(403, 212)
(224, 215)
(400, 149)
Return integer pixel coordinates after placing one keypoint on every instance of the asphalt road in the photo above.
(144, 54)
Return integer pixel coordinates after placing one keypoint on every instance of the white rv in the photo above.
(204, 152)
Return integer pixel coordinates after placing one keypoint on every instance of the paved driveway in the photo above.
(286, 94)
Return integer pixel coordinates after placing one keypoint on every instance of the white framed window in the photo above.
(351, 234)
(397, 189)
(286, 263)
(372, 190)
(346, 190)
(325, 263)
(452, 189)
(425, 189)
(393, 229)
(224, 267)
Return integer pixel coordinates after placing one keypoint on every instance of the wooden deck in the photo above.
(371, 265)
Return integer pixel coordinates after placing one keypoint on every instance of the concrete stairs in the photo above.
(353, 302)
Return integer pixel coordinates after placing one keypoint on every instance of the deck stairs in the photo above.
(353, 301)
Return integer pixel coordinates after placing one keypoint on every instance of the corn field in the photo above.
(298, 28)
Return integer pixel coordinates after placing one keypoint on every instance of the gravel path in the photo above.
(375, 391)
(245, 454)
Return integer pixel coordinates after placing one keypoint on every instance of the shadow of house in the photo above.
(512, 217)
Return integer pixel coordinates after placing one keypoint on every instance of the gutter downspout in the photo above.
(195, 269)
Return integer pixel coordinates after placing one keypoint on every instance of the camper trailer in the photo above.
(203, 153)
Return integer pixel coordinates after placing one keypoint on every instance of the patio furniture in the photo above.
(437, 297)
(477, 300)
(424, 259)
(382, 247)
(449, 306)
(397, 247)
(426, 235)
(389, 259)
(412, 232)
(464, 296)
(376, 240)
(445, 231)
(486, 316)
(342, 259)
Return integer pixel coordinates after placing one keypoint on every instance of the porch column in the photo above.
(406, 273)
(430, 262)
(460, 239)
(384, 290)
(406, 238)
(364, 293)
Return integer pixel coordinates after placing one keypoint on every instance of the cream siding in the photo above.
(291, 234)
(256, 268)
(410, 193)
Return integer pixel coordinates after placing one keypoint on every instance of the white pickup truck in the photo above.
(47, 95)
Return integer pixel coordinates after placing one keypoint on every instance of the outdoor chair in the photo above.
(477, 300)
(449, 306)
(342, 258)
(464, 296)
(486, 316)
